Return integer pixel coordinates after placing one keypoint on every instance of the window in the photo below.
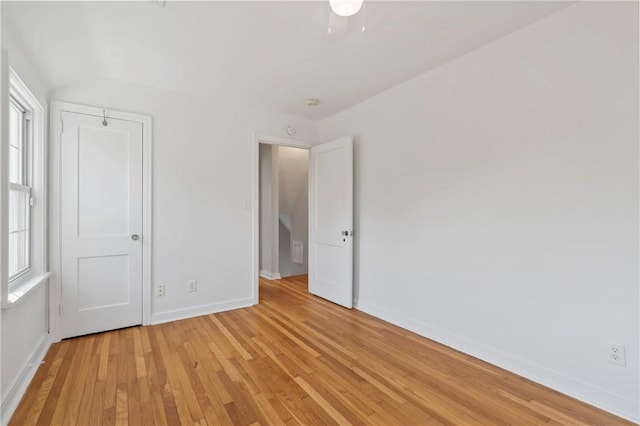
(19, 189)
(26, 196)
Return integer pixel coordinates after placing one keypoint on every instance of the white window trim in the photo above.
(14, 291)
(26, 179)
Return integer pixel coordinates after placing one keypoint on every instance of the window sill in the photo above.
(18, 293)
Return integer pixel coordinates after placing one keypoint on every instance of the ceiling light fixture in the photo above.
(312, 102)
(345, 7)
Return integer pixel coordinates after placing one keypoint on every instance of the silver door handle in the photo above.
(135, 237)
(345, 233)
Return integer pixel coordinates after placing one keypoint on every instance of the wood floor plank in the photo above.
(104, 357)
(89, 390)
(321, 401)
(122, 405)
(293, 359)
(181, 382)
(111, 381)
(68, 414)
(42, 383)
(231, 338)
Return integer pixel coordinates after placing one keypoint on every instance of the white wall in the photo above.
(284, 250)
(269, 224)
(4, 85)
(294, 201)
(24, 342)
(202, 184)
(24, 326)
(497, 202)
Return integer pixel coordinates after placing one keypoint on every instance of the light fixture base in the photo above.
(345, 7)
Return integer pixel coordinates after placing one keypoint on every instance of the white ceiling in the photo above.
(273, 54)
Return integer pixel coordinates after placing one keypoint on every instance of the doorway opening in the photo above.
(283, 211)
(281, 173)
(330, 219)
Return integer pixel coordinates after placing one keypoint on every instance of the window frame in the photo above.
(26, 179)
(36, 180)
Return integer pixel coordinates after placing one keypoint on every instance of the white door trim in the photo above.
(255, 204)
(55, 243)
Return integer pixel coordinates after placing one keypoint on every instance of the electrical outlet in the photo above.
(193, 286)
(160, 290)
(616, 354)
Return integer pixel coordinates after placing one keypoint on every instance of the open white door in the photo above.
(331, 221)
(102, 218)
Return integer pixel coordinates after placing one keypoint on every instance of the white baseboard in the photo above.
(584, 392)
(270, 275)
(19, 387)
(197, 311)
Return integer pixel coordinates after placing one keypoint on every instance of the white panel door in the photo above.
(101, 233)
(331, 221)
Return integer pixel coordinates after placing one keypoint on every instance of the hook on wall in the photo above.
(104, 118)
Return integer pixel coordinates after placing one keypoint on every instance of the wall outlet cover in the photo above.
(616, 354)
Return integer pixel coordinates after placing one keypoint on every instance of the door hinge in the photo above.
(60, 309)
(32, 201)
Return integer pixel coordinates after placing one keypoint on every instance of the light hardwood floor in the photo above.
(292, 359)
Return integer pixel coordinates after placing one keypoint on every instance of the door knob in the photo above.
(135, 237)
